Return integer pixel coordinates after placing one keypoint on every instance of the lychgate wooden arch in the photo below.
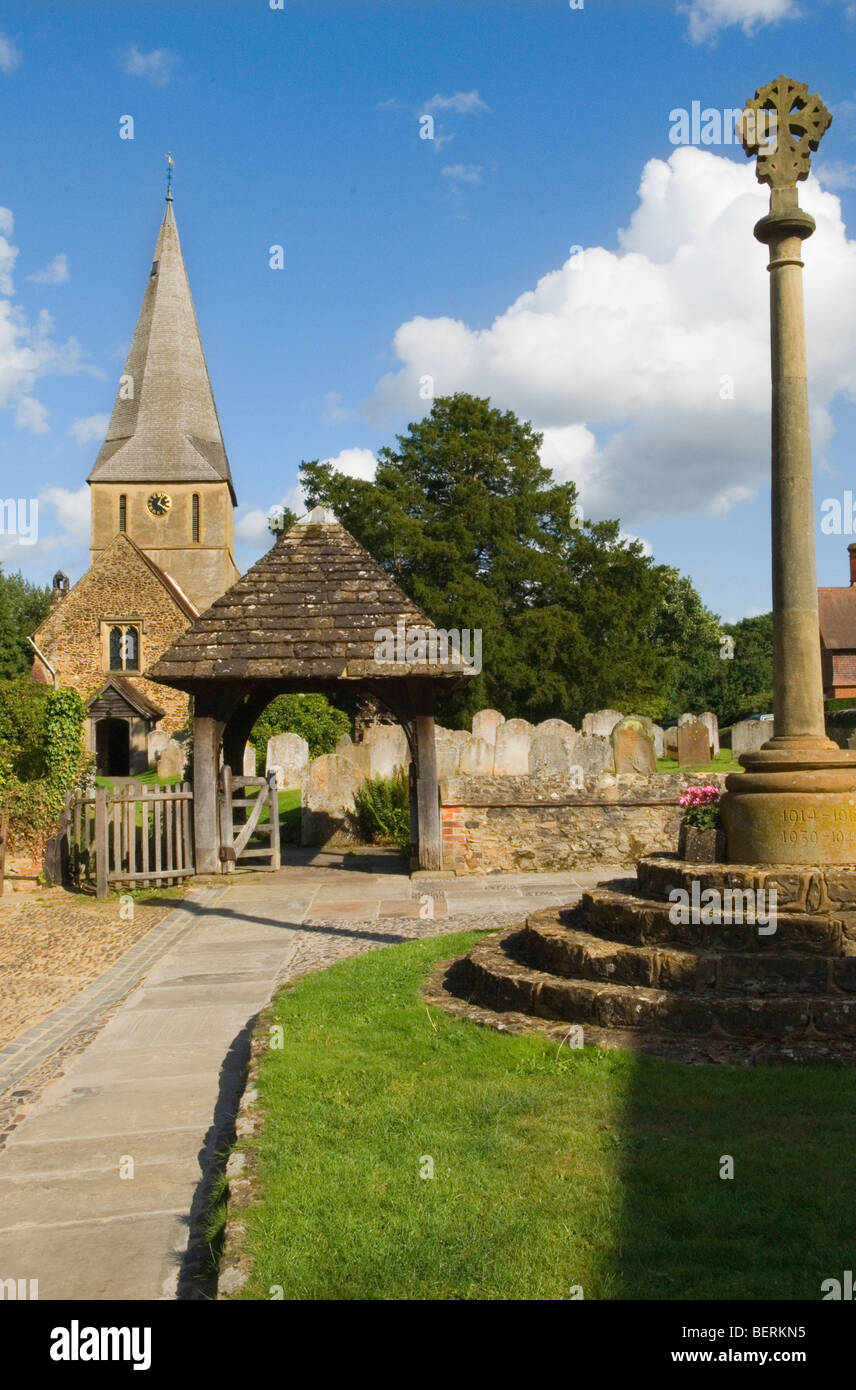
(306, 617)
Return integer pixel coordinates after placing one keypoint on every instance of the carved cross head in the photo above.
(782, 126)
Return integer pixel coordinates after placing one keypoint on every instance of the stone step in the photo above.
(548, 944)
(492, 977)
(799, 888)
(622, 916)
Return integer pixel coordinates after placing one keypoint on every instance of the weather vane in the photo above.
(169, 163)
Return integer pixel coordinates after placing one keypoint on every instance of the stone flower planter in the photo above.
(701, 846)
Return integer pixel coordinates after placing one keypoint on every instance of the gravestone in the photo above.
(593, 754)
(387, 749)
(326, 816)
(693, 743)
(565, 731)
(171, 761)
(511, 754)
(711, 723)
(748, 735)
(289, 754)
(448, 744)
(659, 743)
(344, 744)
(156, 742)
(249, 763)
(601, 722)
(486, 723)
(633, 748)
(476, 759)
(670, 742)
(550, 755)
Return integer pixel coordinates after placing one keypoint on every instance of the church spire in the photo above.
(164, 426)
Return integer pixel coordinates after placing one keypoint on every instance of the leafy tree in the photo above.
(312, 716)
(477, 532)
(22, 607)
(23, 733)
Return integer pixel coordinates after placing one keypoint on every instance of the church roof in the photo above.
(311, 608)
(130, 694)
(164, 427)
(117, 554)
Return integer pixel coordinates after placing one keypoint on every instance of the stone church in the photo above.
(162, 529)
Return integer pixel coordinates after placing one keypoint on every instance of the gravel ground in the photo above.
(53, 943)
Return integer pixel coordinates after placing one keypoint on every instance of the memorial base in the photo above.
(795, 803)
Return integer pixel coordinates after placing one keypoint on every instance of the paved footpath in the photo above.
(103, 1185)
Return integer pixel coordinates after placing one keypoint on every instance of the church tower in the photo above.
(162, 476)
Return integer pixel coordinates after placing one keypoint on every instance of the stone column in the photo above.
(796, 801)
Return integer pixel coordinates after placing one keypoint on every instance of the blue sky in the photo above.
(407, 256)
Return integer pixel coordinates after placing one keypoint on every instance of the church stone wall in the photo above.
(121, 586)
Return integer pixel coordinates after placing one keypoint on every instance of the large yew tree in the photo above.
(475, 529)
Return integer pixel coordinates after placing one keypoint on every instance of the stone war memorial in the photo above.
(752, 958)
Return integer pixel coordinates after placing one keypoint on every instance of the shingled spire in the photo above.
(164, 427)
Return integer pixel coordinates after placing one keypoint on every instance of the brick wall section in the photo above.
(120, 585)
(541, 826)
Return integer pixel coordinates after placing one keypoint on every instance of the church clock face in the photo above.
(159, 503)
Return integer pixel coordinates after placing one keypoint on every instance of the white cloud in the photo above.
(31, 415)
(707, 17)
(333, 408)
(252, 527)
(647, 367)
(72, 512)
(28, 350)
(837, 173)
(8, 252)
(89, 429)
(355, 463)
(462, 103)
(10, 57)
(156, 66)
(464, 173)
(54, 273)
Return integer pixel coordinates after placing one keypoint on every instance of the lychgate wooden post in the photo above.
(206, 828)
(275, 855)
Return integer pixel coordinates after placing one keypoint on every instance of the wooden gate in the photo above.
(240, 833)
(137, 837)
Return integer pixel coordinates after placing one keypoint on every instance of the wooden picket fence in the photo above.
(137, 837)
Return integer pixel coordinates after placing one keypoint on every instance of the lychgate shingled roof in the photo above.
(310, 609)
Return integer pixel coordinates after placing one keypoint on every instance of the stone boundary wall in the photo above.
(536, 826)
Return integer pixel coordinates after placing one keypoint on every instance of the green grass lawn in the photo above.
(723, 762)
(289, 818)
(592, 1169)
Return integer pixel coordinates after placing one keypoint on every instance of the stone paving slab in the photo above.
(122, 1258)
(58, 1200)
(39, 1158)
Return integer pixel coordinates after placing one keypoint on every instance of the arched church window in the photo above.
(123, 512)
(124, 648)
